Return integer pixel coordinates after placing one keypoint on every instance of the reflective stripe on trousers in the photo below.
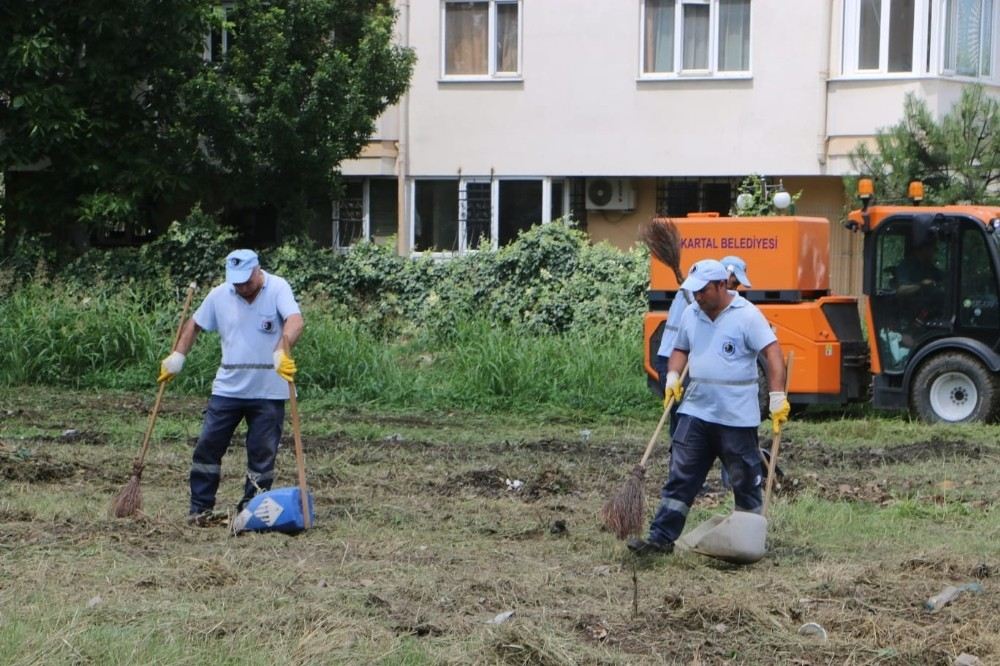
(695, 446)
(222, 415)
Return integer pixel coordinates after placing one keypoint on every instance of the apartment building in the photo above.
(522, 111)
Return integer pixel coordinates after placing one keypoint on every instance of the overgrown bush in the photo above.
(549, 321)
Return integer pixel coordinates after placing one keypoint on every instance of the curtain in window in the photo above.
(658, 54)
(869, 34)
(968, 37)
(695, 37)
(734, 35)
(466, 30)
(507, 37)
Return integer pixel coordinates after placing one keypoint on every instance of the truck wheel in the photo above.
(954, 388)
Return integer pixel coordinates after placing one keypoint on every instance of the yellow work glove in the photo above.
(673, 390)
(779, 410)
(170, 366)
(284, 365)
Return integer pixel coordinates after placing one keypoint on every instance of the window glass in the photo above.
(351, 214)
(717, 197)
(901, 36)
(436, 215)
(520, 207)
(985, 58)
(682, 197)
(870, 30)
(912, 300)
(478, 215)
(658, 55)
(977, 298)
(734, 35)
(220, 38)
(383, 200)
(695, 37)
(888, 320)
(968, 36)
(466, 32)
(506, 46)
(556, 211)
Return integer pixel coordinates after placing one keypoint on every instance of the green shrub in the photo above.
(547, 322)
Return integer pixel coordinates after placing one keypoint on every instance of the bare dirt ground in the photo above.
(424, 538)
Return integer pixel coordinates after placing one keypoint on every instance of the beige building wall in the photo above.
(581, 107)
(620, 228)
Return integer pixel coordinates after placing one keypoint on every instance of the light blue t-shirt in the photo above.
(722, 362)
(249, 333)
(682, 299)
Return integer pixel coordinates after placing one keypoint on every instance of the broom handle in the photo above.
(299, 455)
(772, 464)
(663, 419)
(163, 385)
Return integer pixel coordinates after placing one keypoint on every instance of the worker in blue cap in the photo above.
(719, 339)
(737, 269)
(258, 321)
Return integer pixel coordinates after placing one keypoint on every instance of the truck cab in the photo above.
(932, 309)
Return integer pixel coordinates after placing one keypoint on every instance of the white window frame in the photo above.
(494, 182)
(712, 71)
(365, 218)
(929, 55)
(852, 41)
(463, 211)
(411, 215)
(491, 68)
(994, 28)
(224, 8)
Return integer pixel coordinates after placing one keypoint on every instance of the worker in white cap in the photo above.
(258, 321)
(719, 338)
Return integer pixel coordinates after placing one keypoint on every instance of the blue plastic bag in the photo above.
(277, 510)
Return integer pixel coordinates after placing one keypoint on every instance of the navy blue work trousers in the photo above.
(264, 420)
(695, 446)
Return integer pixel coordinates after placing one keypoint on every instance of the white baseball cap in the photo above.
(240, 265)
(737, 267)
(703, 272)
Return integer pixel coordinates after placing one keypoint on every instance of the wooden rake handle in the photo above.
(663, 419)
(772, 464)
(300, 462)
(163, 385)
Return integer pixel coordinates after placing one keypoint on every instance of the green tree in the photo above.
(113, 107)
(957, 158)
(89, 91)
(297, 93)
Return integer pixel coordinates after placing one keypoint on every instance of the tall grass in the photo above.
(114, 338)
(55, 335)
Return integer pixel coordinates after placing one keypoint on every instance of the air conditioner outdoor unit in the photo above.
(610, 194)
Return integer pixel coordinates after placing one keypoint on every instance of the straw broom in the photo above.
(129, 500)
(663, 238)
(625, 511)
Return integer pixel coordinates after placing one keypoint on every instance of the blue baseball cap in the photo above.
(703, 272)
(240, 265)
(737, 267)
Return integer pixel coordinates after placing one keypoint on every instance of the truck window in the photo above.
(911, 302)
(977, 298)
